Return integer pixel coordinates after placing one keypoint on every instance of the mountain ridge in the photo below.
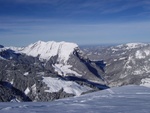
(125, 63)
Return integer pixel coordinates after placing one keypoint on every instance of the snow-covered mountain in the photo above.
(126, 99)
(66, 58)
(46, 50)
(125, 64)
(45, 71)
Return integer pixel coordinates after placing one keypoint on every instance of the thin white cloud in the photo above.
(120, 6)
(92, 33)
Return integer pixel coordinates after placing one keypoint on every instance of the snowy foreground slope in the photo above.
(126, 99)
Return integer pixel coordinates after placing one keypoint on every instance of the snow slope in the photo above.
(64, 70)
(56, 84)
(126, 99)
(45, 50)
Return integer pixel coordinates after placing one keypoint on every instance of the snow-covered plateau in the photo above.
(126, 99)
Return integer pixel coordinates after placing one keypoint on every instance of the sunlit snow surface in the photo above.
(45, 50)
(127, 99)
(56, 84)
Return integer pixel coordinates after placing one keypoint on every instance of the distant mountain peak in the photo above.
(132, 45)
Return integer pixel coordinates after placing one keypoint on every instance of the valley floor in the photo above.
(126, 99)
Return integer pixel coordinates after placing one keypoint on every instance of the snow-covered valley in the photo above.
(126, 99)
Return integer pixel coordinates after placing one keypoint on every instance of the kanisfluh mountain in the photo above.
(45, 71)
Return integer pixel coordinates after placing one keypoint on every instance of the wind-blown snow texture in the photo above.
(127, 99)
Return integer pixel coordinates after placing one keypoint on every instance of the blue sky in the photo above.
(81, 21)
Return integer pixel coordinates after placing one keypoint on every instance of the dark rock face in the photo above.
(125, 64)
(8, 92)
(90, 70)
(1, 46)
(9, 54)
(21, 76)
